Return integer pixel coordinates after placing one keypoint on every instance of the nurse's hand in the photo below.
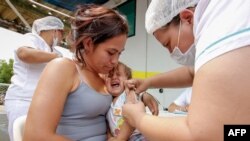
(151, 103)
(130, 96)
(139, 85)
(133, 113)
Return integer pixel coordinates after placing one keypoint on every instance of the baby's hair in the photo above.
(98, 23)
(127, 70)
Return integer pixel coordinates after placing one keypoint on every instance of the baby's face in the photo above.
(115, 82)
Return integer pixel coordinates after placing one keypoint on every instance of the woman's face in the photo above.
(168, 37)
(104, 56)
(115, 81)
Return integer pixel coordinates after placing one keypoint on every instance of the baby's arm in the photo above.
(126, 130)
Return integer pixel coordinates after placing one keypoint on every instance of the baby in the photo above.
(120, 130)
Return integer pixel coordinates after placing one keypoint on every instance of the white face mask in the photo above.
(186, 58)
(55, 40)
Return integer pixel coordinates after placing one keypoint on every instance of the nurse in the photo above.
(30, 58)
(221, 32)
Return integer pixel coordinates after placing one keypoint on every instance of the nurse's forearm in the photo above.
(33, 56)
(168, 128)
(178, 78)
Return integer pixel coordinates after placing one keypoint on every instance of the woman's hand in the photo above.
(151, 102)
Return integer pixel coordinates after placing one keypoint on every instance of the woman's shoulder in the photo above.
(63, 69)
(63, 65)
(63, 61)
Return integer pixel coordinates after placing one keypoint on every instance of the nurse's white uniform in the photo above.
(24, 80)
(220, 27)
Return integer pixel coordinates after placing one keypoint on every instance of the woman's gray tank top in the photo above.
(83, 118)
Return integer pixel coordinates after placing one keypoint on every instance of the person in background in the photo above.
(77, 102)
(182, 102)
(30, 58)
(120, 130)
(220, 80)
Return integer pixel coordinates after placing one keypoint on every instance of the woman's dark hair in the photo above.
(97, 22)
(176, 20)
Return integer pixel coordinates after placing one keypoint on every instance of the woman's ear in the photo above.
(187, 15)
(88, 44)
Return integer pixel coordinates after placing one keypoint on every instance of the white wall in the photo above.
(144, 53)
(9, 41)
(135, 50)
